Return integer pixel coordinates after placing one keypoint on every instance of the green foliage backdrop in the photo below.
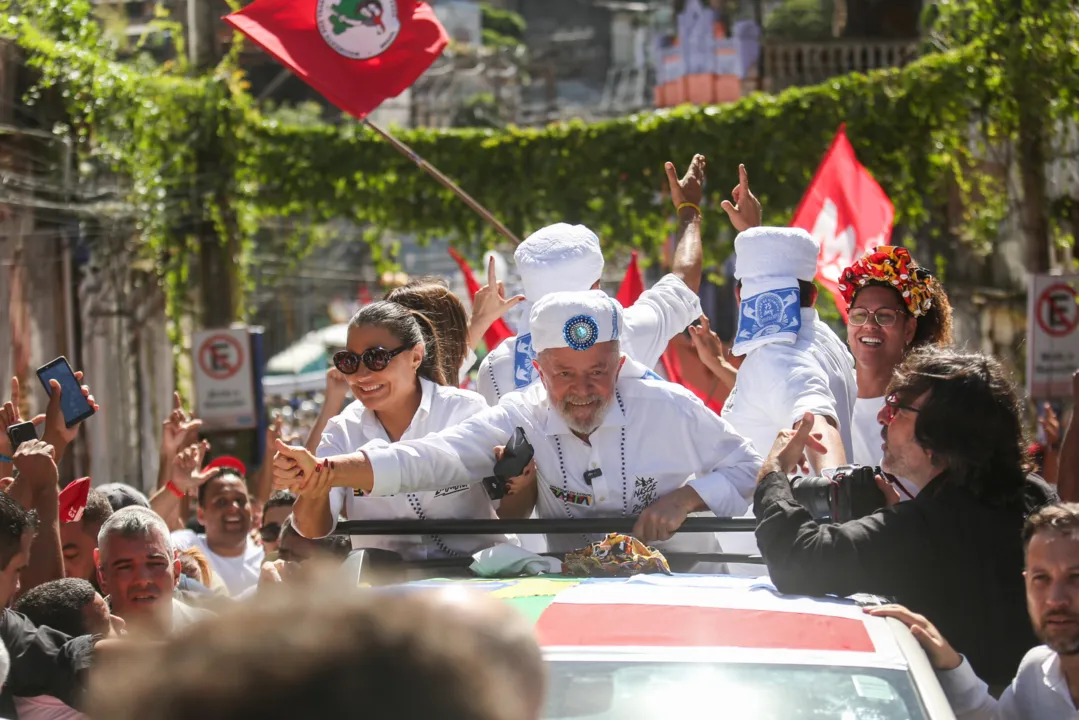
(911, 127)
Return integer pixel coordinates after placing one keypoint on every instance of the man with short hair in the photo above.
(224, 509)
(1046, 686)
(609, 440)
(952, 426)
(568, 258)
(70, 605)
(304, 654)
(79, 538)
(138, 569)
(275, 512)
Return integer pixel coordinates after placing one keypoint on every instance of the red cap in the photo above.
(73, 500)
(227, 461)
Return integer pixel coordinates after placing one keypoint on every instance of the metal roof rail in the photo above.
(543, 526)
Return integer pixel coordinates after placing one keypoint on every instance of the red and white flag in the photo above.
(357, 53)
(846, 211)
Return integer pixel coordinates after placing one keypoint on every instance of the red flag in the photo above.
(631, 288)
(846, 211)
(357, 53)
(632, 284)
(499, 331)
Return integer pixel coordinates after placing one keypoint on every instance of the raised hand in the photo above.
(745, 211)
(336, 390)
(179, 429)
(187, 474)
(56, 430)
(1051, 426)
(707, 344)
(690, 189)
(489, 304)
(9, 415)
(788, 450)
(35, 462)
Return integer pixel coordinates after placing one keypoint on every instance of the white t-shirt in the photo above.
(865, 431)
(661, 312)
(655, 438)
(238, 573)
(777, 384)
(440, 407)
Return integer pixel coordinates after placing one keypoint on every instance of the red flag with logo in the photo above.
(846, 211)
(631, 288)
(499, 331)
(357, 53)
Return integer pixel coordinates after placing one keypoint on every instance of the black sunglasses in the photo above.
(270, 532)
(376, 359)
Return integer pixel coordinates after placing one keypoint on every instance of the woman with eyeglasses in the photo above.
(394, 367)
(895, 306)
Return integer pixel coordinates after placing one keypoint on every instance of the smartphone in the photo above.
(76, 407)
(20, 433)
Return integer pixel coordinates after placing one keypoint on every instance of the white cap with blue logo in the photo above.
(576, 320)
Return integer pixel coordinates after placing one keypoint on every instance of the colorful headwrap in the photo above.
(892, 266)
(615, 555)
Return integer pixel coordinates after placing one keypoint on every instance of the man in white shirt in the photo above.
(568, 258)
(224, 509)
(609, 440)
(793, 364)
(1046, 687)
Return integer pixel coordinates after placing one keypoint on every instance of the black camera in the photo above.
(515, 458)
(841, 494)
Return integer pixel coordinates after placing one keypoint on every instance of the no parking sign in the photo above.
(1052, 336)
(224, 381)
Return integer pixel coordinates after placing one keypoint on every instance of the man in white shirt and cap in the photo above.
(609, 440)
(563, 257)
(793, 363)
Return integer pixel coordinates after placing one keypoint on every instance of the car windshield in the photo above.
(630, 690)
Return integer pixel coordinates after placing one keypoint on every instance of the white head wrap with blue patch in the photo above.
(556, 258)
(769, 261)
(576, 320)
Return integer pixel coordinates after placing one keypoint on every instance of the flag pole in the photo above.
(443, 180)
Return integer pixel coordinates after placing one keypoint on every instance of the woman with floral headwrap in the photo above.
(894, 306)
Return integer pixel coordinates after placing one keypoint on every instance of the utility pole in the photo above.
(217, 255)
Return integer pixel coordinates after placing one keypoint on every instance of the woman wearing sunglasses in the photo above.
(895, 306)
(394, 367)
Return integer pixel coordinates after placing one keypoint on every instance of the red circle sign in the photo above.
(221, 357)
(1057, 310)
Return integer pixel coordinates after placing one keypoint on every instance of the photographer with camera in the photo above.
(951, 426)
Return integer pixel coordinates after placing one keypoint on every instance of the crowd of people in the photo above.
(228, 578)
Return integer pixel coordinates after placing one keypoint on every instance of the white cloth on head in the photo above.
(358, 427)
(656, 437)
(661, 312)
(776, 385)
(770, 312)
(558, 258)
(775, 252)
(575, 319)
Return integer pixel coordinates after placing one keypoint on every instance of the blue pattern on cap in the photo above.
(581, 332)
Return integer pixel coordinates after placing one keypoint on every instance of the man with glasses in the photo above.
(952, 426)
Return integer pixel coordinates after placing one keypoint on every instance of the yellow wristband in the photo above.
(689, 204)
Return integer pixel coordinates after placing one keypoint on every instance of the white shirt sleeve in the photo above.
(728, 463)
(970, 699)
(661, 312)
(485, 384)
(458, 455)
(805, 390)
(334, 442)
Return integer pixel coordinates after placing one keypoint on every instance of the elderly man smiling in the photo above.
(609, 439)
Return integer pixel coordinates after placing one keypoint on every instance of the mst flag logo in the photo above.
(358, 29)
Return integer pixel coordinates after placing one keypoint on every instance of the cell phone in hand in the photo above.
(20, 433)
(75, 406)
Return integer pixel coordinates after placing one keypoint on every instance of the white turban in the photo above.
(775, 252)
(575, 320)
(769, 262)
(558, 258)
